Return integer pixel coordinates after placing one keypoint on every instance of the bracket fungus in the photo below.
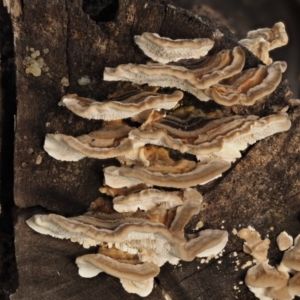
(165, 50)
(254, 245)
(291, 257)
(118, 177)
(148, 228)
(107, 142)
(267, 282)
(133, 248)
(121, 108)
(135, 278)
(284, 241)
(221, 138)
(248, 86)
(193, 79)
(261, 41)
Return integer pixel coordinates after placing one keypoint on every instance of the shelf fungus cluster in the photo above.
(268, 282)
(211, 77)
(261, 41)
(134, 245)
(146, 228)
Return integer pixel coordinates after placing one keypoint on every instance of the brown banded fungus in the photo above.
(133, 248)
(209, 139)
(120, 108)
(118, 177)
(267, 282)
(261, 41)
(107, 142)
(291, 258)
(262, 277)
(135, 278)
(194, 80)
(165, 50)
(248, 86)
(149, 228)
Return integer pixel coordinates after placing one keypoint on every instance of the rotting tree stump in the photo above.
(261, 189)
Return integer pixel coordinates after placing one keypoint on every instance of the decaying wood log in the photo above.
(260, 190)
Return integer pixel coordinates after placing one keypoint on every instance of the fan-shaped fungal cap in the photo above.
(209, 243)
(291, 257)
(155, 242)
(276, 35)
(208, 72)
(91, 232)
(221, 138)
(254, 245)
(135, 278)
(204, 172)
(248, 86)
(250, 132)
(261, 41)
(107, 142)
(284, 241)
(164, 50)
(138, 272)
(263, 276)
(116, 109)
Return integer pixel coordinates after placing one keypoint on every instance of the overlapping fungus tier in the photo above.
(193, 78)
(133, 246)
(216, 138)
(148, 228)
(107, 142)
(248, 86)
(122, 107)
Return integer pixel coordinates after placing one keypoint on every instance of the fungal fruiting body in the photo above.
(109, 141)
(248, 86)
(213, 139)
(261, 41)
(268, 282)
(148, 228)
(134, 248)
(284, 241)
(194, 80)
(217, 138)
(165, 50)
(118, 177)
(120, 108)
